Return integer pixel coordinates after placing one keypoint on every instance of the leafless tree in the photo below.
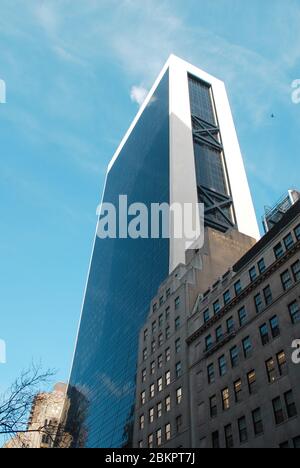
(16, 404)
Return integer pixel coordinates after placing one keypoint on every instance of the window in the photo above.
(145, 335)
(160, 320)
(278, 251)
(296, 442)
(167, 313)
(251, 382)
(160, 361)
(208, 342)
(154, 328)
(153, 347)
(160, 384)
(178, 346)
(253, 274)
(143, 398)
(168, 378)
(229, 437)
(177, 323)
(286, 280)
(152, 391)
(177, 303)
(219, 333)
(227, 297)
(215, 440)
(178, 370)
(282, 363)
(290, 404)
(238, 287)
(261, 266)
(159, 410)
(161, 301)
(151, 415)
(154, 308)
(296, 271)
(258, 304)
(159, 438)
(243, 316)
(179, 395)
(168, 404)
(230, 325)
(274, 324)
(217, 307)
(144, 375)
(140, 444)
(142, 422)
(145, 354)
(271, 370)
(168, 293)
(211, 373)
(268, 296)
(288, 241)
(297, 232)
(226, 399)
(264, 334)
(222, 366)
(234, 356)
(247, 347)
(278, 411)
(178, 423)
(150, 441)
(206, 315)
(160, 340)
(213, 406)
(168, 432)
(168, 333)
(168, 354)
(294, 312)
(257, 422)
(243, 432)
(238, 389)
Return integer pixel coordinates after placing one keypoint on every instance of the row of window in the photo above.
(162, 300)
(274, 368)
(156, 439)
(161, 337)
(157, 412)
(280, 416)
(287, 243)
(160, 383)
(291, 276)
(158, 364)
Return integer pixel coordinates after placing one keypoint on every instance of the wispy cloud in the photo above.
(138, 94)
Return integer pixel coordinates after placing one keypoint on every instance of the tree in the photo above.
(17, 403)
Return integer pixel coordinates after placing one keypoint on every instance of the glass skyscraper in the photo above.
(182, 147)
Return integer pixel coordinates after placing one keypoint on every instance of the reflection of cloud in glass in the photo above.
(116, 390)
(2, 92)
(2, 352)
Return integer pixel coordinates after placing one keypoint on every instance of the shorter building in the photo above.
(44, 421)
(215, 367)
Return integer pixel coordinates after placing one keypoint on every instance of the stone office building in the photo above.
(215, 367)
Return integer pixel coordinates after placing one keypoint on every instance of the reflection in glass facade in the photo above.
(124, 276)
(213, 188)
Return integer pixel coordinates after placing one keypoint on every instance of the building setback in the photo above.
(228, 348)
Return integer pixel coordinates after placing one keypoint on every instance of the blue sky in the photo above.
(70, 67)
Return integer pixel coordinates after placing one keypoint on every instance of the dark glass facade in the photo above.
(213, 187)
(124, 277)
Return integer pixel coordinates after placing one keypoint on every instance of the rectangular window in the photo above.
(179, 396)
(282, 363)
(208, 342)
(230, 325)
(152, 391)
(178, 423)
(271, 370)
(168, 293)
(227, 297)
(168, 404)
(252, 382)
(177, 323)
(286, 280)
(219, 333)
(160, 384)
(160, 340)
(290, 404)
(268, 296)
(145, 335)
(296, 271)
(297, 232)
(153, 347)
(177, 303)
(150, 441)
(178, 370)
(238, 288)
(168, 378)
(168, 354)
(151, 415)
(258, 303)
(238, 391)
(243, 432)
(160, 320)
(222, 366)
(275, 328)
(206, 315)
(253, 274)
(261, 266)
(213, 403)
(143, 398)
(154, 328)
(159, 438)
(294, 312)
(168, 333)
(234, 356)
(278, 251)
(159, 410)
(215, 440)
(168, 432)
(264, 334)
(217, 307)
(145, 354)
(288, 241)
(211, 373)
(247, 347)
(167, 314)
(178, 346)
(257, 422)
(142, 422)
(154, 309)
(226, 399)
(229, 437)
(161, 301)
(144, 375)
(278, 411)
(243, 316)
(160, 361)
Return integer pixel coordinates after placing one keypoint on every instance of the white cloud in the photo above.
(138, 94)
(47, 17)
